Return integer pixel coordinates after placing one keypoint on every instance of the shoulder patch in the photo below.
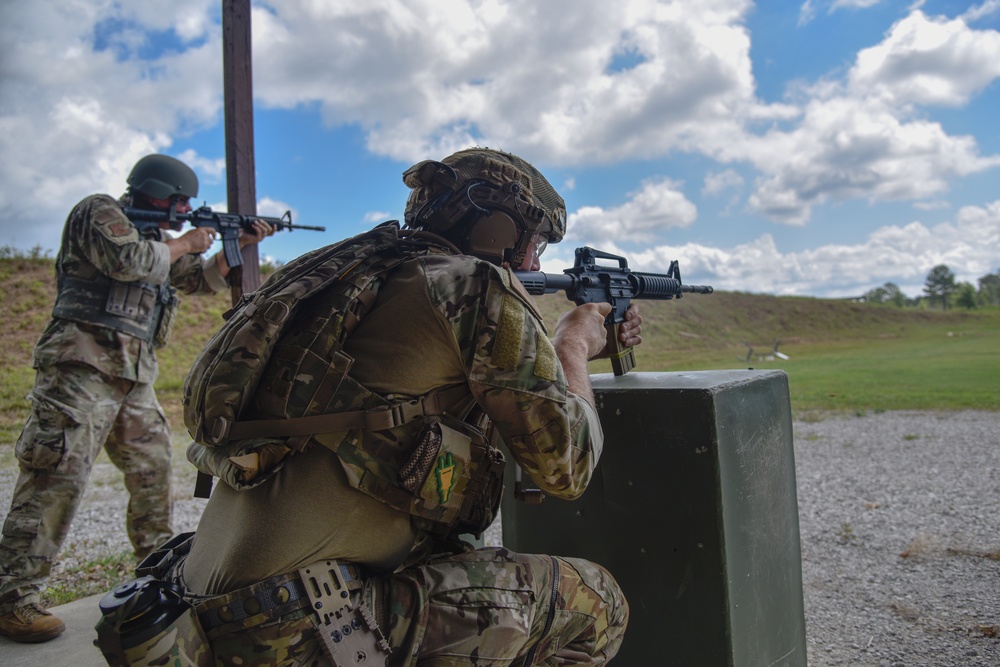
(112, 223)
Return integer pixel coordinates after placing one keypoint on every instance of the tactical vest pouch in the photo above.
(442, 466)
(135, 308)
(455, 476)
(135, 300)
(147, 622)
(169, 303)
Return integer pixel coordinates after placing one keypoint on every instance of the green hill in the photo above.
(842, 355)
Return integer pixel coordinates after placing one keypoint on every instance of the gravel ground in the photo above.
(900, 524)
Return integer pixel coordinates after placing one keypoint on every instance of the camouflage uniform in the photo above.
(93, 389)
(438, 320)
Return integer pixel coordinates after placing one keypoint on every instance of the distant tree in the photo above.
(989, 289)
(966, 296)
(888, 293)
(940, 284)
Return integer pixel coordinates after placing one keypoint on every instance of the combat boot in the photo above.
(30, 624)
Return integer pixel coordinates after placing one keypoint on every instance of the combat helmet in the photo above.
(162, 177)
(487, 202)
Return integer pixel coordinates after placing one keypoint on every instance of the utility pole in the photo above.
(237, 75)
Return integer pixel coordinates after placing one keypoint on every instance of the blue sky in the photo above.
(819, 148)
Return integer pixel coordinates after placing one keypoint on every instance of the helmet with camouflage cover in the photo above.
(489, 203)
(162, 177)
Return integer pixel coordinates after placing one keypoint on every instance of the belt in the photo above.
(265, 600)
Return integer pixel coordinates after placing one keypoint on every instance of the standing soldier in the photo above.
(95, 367)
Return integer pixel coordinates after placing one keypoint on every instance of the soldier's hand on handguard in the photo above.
(260, 230)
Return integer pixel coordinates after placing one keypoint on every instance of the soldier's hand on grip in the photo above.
(582, 328)
(199, 239)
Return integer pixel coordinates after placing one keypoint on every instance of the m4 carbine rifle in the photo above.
(228, 225)
(587, 282)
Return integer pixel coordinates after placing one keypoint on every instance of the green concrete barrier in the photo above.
(693, 509)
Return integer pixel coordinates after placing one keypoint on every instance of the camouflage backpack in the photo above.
(275, 378)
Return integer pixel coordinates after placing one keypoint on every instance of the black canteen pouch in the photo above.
(148, 621)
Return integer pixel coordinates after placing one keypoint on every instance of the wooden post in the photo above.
(237, 68)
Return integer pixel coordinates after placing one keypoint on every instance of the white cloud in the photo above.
(809, 9)
(933, 205)
(983, 10)
(928, 61)
(717, 182)
(853, 4)
(515, 74)
(902, 254)
(658, 205)
(275, 208)
(80, 105)
(728, 183)
(377, 216)
(863, 138)
(850, 148)
(807, 12)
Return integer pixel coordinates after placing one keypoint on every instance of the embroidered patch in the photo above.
(445, 472)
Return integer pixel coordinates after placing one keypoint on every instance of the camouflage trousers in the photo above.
(75, 412)
(484, 607)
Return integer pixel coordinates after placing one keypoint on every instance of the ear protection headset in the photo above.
(492, 222)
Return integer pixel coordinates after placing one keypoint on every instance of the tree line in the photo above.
(941, 290)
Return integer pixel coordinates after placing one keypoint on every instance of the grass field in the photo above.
(933, 367)
(843, 356)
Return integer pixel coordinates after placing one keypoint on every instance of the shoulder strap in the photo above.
(376, 419)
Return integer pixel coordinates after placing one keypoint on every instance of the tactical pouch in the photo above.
(148, 622)
(134, 308)
(452, 473)
(169, 302)
(137, 303)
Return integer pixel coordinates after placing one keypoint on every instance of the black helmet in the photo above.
(161, 177)
(489, 203)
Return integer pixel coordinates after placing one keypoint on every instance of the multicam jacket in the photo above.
(100, 245)
(439, 320)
